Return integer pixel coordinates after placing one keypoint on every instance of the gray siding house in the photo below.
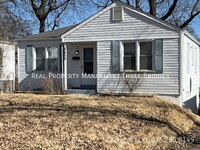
(112, 50)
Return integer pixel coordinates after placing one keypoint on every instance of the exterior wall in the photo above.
(190, 73)
(134, 26)
(26, 80)
(169, 85)
(8, 66)
(76, 66)
(190, 64)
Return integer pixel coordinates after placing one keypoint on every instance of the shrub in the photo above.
(51, 86)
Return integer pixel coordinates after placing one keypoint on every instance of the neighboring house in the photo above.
(117, 40)
(7, 66)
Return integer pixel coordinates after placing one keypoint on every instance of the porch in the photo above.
(79, 67)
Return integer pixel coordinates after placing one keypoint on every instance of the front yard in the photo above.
(30, 121)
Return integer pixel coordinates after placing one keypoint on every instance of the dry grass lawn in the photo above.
(29, 121)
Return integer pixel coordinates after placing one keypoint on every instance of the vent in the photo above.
(118, 13)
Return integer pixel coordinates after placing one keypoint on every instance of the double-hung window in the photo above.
(42, 59)
(144, 54)
(133, 56)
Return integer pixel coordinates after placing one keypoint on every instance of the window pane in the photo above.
(40, 58)
(88, 67)
(53, 59)
(146, 62)
(88, 54)
(40, 64)
(146, 48)
(53, 52)
(129, 63)
(40, 52)
(129, 48)
(53, 64)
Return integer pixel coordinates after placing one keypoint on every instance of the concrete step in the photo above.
(80, 91)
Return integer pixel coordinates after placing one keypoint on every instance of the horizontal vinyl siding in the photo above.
(187, 54)
(134, 26)
(158, 86)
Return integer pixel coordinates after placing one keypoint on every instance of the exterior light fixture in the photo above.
(77, 52)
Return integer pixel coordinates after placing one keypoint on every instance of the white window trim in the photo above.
(46, 58)
(137, 44)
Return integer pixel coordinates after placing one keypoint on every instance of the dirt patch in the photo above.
(31, 121)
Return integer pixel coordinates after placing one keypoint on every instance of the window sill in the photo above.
(141, 71)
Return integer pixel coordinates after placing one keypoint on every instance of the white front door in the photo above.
(88, 68)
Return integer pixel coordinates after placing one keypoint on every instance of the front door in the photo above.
(88, 69)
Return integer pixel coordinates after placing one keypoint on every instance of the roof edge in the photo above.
(186, 32)
(88, 19)
(159, 20)
(165, 23)
(37, 39)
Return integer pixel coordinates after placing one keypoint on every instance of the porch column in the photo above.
(137, 56)
(65, 66)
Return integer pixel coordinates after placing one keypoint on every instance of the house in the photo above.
(112, 50)
(7, 66)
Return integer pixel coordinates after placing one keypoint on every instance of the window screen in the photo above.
(40, 58)
(88, 60)
(129, 56)
(145, 55)
(53, 59)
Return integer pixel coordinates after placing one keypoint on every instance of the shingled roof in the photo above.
(54, 34)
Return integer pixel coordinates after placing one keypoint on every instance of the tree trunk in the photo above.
(42, 25)
(152, 7)
(137, 4)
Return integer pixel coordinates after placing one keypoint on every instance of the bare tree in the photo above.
(11, 25)
(152, 7)
(43, 8)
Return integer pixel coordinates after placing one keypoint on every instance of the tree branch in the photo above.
(152, 7)
(193, 14)
(128, 2)
(189, 19)
(170, 11)
(58, 15)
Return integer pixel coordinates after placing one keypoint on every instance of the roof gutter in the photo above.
(38, 39)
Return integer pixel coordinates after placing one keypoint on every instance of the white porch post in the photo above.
(65, 66)
(137, 56)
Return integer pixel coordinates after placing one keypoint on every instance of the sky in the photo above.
(196, 26)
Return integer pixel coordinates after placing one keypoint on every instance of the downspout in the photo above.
(181, 48)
